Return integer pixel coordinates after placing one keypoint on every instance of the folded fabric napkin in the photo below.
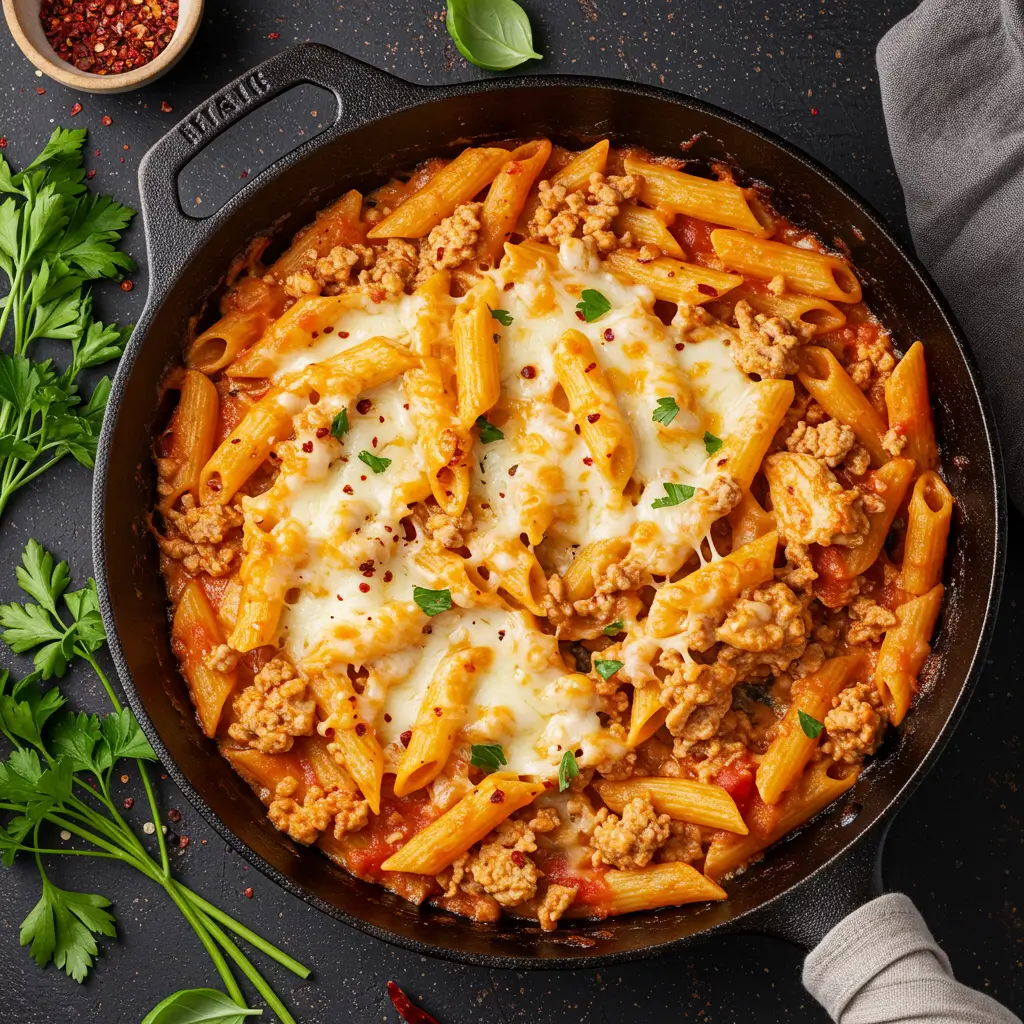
(952, 81)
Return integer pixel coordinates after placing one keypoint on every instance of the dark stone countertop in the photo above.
(804, 68)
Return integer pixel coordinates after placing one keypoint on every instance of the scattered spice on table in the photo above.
(247, 893)
(107, 120)
(76, 109)
(108, 37)
(165, 106)
(40, 90)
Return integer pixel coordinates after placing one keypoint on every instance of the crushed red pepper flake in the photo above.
(174, 815)
(183, 841)
(40, 90)
(273, 35)
(107, 120)
(165, 106)
(90, 175)
(3, 141)
(126, 285)
(247, 893)
(128, 801)
(498, 796)
(76, 109)
(405, 737)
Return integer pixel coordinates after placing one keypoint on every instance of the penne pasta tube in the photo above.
(391, 626)
(352, 741)
(749, 521)
(193, 431)
(456, 183)
(814, 314)
(889, 483)
(337, 224)
(904, 650)
(451, 835)
(909, 409)
(590, 562)
(221, 343)
(833, 389)
(713, 586)
(265, 772)
(476, 360)
(806, 271)
(442, 713)
(507, 197)
(791, 749)
(647, 227)
(699, 803)
(363, 366)
(717, 202)
(924, 549)
(744, 449)
(659, 885)
(195, 636)
(672, 280)
(574, 176)
(593, 406)
(514, 569)
(812, 794)
(646, 714)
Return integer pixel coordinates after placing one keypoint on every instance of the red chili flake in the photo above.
(247, 893)
(108, 121)
(108, 38)
(364, 588)
(387, 717)
(40, 90)
(373, 442)
(609, 334)
(348, 489)
(501, 634)
(124, 778)
(512, 470)
(126, 285)
(814, 111)
(680, 346)
(3, 141)
(244, 174)
(76, 108)
(518, 858)
(593, 417)
(174, 815)
(580, 316)
(406, 1010)
(405, 737)
(125, 146)
(438, 712)
(360, 728)
(366, 568)
(364, 405)
(90, 175)
(706, 289)
(307, 446)
(498, 796)
(528, 372)
(589, 367)
(183, 841)
(128, 801)
(273, 35)
(388, 577)
(576, 427)
(341, 334)
(165, 106)
(587, 460)
(322, 431)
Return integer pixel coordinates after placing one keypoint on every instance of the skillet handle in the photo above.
(361, 92)
(805, 914)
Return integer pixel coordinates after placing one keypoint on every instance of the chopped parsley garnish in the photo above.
(810, 725)
(375, 462)
(593, 305)
(432, 602)
(339, 425)
(503, 316)
(614, 627)
(667, 411)
(606, 668)
(675, 494)
(488, 431)
(567, 770)
(487, 756)
(711, 443)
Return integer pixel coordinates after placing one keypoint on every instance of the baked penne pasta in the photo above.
(924, 549)
(809, 312)
(672, 280)
(659, 885)
(506, 198)
(904, 651)
(683, 799)
(910, 412)
(647, 227)
(190, 437)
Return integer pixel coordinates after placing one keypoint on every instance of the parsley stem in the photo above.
(245, 933)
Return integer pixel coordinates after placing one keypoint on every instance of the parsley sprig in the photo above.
(55, 239)
(58, 776)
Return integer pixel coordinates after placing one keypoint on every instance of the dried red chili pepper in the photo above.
(406, 1010)
(108, 37)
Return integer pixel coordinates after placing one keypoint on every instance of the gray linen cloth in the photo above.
(881, 966)
(952, 81)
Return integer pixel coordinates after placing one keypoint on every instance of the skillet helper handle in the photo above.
(361, 93)
(805, 914)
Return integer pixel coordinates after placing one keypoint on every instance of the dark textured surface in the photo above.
(807, 72)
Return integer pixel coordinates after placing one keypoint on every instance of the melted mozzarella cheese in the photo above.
(360, 558)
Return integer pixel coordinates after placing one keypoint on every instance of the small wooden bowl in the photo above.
(23, 21)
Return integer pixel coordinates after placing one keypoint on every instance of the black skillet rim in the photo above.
(581, 960)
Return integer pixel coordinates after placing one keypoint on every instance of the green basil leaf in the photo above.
(606, 668)
(488, 756)
(614, 628)
(810, 725)
(199, 1006)
(711, 443)
(432, 602)
(492, 34)
(567, 770)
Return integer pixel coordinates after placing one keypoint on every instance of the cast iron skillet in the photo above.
(384, 124)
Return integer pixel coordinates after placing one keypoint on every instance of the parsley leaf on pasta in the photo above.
(711, 443)
(810, 725)
(488, 431)
(675, 494)
(487, 756)
(375, 462)
(339, 425)
(567, 770)
(667, 411)
(614, 628)
(503, 316)
(606, 668)
(593, 305)
(432, 602)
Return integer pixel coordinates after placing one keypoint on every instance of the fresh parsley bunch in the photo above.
(55, 239)
(58, 776)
